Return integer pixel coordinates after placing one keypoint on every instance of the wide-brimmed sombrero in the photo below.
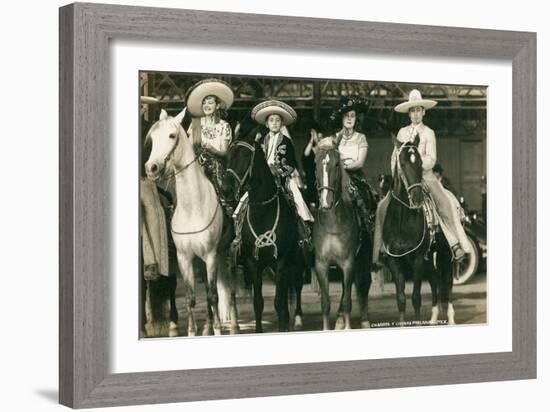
(347, 104)
(261, 111)
(415, 99)
(204, 88)
(148, 100)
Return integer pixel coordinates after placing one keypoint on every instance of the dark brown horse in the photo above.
(269, 235)
(408, 242)
(336, 239)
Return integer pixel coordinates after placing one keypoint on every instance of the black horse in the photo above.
(408, 241)
(269, 235)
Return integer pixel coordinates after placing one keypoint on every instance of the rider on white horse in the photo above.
(208, 101)
(450, 223)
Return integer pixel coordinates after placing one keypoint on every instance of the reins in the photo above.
(408, 188)
(403, 179)
(176, 172)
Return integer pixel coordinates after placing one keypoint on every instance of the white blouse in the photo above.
(215, 133)
(349, 147)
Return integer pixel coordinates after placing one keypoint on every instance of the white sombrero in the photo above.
(415, 99)
(261, 111)
(204, 88)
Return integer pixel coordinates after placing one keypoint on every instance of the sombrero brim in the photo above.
(208, 87)
(405, 106)
(261, 112)
(149, 100)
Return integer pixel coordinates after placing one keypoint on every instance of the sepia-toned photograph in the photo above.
(276, 204)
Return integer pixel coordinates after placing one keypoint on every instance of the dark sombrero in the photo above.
(347, 104)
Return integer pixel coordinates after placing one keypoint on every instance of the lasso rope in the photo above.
(266, 239)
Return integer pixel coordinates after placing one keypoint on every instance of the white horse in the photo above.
(197, 221)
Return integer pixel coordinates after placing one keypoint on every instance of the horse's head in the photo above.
(164, 136)
(409, 169)
(328, 172)
(240, 159)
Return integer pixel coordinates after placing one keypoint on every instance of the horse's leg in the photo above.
(143, 320)
(362, 285)
(340, 324)
(173, 328)
(212, 290)
(234, 328)
(185, 264)
(295, 291)
(347, 269)
(321, 270)
(435, 276)
(298, 314)
(281, 294)
(207, 329)
(256, 272)
(418, 266)
(446, 276)
(399, 280)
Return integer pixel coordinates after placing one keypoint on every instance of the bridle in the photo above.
(408, 187)
(171, 152)
(247, 174)
(404, 180)
(330, 189)
(242, 180)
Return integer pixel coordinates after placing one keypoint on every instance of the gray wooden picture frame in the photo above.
(85, 32)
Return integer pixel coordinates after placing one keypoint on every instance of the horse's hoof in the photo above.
(191, 333)
(365, 324)
(217, 331)
(173, 329)
(339, 325)
(298, 323)
(234, 330)
(207, 331)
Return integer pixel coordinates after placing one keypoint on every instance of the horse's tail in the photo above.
(224, 286)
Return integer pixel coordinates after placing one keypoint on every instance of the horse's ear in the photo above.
(163, 115)
(181, 115)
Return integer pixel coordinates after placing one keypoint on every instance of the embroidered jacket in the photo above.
(279, 154)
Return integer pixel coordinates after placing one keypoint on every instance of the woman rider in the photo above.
(353, 147)
(208, 101)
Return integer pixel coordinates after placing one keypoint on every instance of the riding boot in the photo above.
(305, 240)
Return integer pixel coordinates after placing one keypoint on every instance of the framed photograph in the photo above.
(235, 187)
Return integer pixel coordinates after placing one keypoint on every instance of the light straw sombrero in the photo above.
(415, 99)
(204, 88)
(148, 100)
(261, 111)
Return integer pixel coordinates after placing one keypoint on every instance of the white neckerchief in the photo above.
(270, 149)
(414, 129)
